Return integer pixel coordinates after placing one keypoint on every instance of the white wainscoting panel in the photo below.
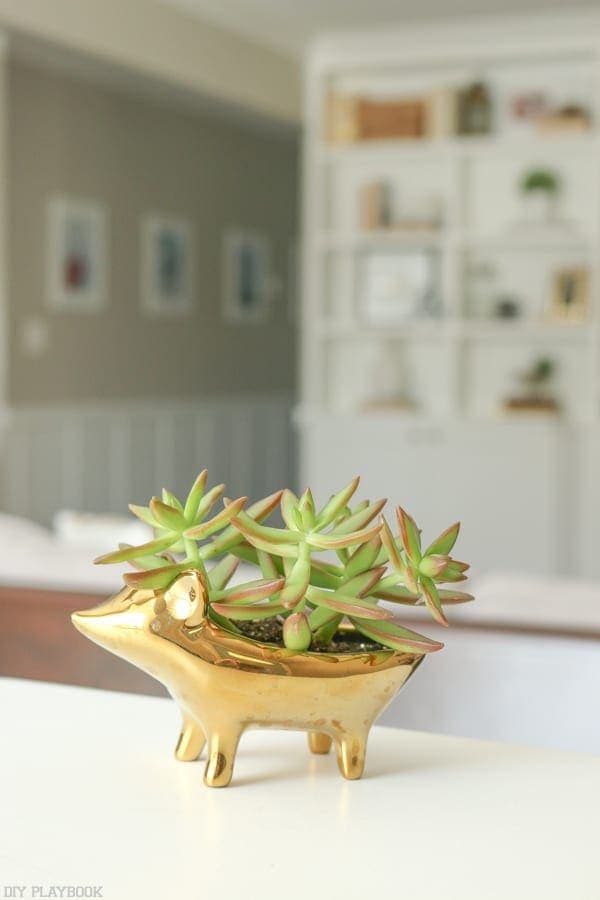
(527, 491)
(100, 457)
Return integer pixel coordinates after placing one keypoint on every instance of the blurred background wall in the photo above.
(114, 402)
(137, 156)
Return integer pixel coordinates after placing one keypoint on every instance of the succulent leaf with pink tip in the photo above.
(311, 596)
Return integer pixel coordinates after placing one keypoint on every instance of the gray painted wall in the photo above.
(75, 138)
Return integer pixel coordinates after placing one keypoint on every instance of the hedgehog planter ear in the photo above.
(187, 598)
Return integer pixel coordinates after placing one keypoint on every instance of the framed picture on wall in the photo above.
(246, 277)
(77, 254)
(167, 265)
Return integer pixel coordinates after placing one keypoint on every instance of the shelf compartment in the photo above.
(367, 374)
(490, 374)
(531, 282)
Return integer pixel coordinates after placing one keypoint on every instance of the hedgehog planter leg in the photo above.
(318, 742)
(351, 751)
(191, 741)
(222, 747)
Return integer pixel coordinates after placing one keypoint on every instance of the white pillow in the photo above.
(98, 533)
(17, 530)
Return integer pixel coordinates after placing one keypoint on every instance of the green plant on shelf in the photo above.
(543, 180)
(310, 596)
(540, 372)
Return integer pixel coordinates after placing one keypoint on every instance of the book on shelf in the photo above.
(380, 209)
(375, 206)
(355, 118)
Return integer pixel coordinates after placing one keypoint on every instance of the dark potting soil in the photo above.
(270, 631)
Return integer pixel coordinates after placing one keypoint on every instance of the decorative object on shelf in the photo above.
(275, 651)
(441, 113)
(431, 306)
(381, 209)
(475, 109)
(76, 255)
(248, 284)
(507, 307)
(389, 387)
(535, 395)
(419, 212)
(341, 119)
(398, 286)
(168, 265)
(354, 118)
(572, 118)
(528, 106)
(375, 205)
(569, 300)
(480, 288)
(540, 189)
(385, 119)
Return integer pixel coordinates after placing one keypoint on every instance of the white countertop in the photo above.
(91, 795)
(531, 601)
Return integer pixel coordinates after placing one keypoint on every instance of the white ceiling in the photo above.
(290, 24)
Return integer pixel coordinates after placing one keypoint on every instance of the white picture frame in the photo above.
(396, 287)
(168, 265)
(247, 281)
(76, 255)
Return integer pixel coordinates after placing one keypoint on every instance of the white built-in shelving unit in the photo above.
(454, 451)
(459, 364)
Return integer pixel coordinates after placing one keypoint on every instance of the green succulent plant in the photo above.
(310, 594)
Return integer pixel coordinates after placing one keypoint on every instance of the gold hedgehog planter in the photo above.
(225, 683)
